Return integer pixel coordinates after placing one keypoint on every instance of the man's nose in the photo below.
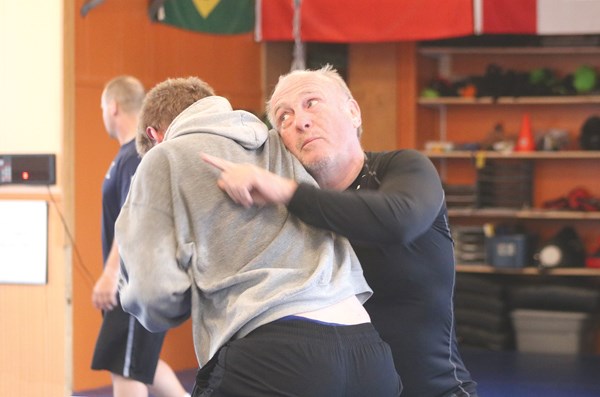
(303, 120)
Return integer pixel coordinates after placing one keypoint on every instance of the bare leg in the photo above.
(166, 383)
(125, 387)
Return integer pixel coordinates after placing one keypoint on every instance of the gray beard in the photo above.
(319, 170)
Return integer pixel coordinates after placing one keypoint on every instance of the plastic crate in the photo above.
(545, 331)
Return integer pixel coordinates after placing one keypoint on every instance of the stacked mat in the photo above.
(555, 297)
(481, 313)
(503, 184)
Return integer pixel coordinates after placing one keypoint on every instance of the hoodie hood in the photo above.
(214, 115)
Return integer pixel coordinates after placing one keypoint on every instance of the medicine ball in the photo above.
(584, 79)
(589, 139)
(565, 249)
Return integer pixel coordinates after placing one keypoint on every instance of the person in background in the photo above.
(124, 347)
(276, 305)
(391, 207)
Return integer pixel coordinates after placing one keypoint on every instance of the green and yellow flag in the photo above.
(209, 16)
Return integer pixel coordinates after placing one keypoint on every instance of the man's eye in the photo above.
(312, 103)
(284, 118)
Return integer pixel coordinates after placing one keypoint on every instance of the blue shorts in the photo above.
(302, 358)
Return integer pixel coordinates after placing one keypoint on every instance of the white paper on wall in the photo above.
(23, 241)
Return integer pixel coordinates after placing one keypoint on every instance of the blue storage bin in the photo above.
(511, 251)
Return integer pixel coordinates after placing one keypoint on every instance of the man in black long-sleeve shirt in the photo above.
(390, 206)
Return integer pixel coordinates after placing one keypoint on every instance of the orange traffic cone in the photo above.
(526, 142)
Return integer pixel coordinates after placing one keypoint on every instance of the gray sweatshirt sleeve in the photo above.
(155, 285)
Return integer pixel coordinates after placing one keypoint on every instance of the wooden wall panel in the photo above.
(372, 79)
(406, 86)
(34, 331)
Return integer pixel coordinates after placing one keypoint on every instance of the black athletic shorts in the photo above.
(124, 347)
(299, 358)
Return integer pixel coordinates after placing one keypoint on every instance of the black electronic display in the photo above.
(28, 169)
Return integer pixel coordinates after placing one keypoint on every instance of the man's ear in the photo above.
(355, 112)
(154, 134)
(113, 107)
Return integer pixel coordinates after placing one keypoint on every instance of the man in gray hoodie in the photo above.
(276, 305)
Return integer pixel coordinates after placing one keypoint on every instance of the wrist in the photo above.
(111, 273)
(290, 188)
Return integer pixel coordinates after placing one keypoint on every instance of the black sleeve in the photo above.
(404, 206)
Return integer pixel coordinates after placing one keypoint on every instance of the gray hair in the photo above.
(327, 72)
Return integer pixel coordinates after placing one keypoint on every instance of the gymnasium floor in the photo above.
(512, 374)
(501, 374)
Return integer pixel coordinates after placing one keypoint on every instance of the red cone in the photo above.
(526, 142)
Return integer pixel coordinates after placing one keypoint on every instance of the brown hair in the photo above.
(164, 102)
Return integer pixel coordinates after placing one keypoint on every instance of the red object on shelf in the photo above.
(592, 262)
(526, 142)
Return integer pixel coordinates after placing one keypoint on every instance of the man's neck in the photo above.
(126, 137)
(342, 175)
(126, 130)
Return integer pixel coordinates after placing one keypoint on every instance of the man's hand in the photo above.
(104, 295)
(249, 185)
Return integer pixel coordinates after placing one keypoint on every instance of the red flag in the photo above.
(398, 20)
(509, 16)
(274, 20)
(365, 21)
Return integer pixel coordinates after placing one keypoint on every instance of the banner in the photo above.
(363, 21)
(208, 16)
(541, 17)
(360, 21)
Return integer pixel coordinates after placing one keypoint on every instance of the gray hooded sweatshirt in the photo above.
(187, 249)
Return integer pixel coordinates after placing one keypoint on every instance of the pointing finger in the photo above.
(214, 161)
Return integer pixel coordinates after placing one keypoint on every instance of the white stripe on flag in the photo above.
(568, 17)
(478, 17)
(258, 20)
